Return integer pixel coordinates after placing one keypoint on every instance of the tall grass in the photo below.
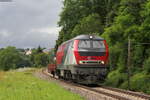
(1, 74)
(24, 86)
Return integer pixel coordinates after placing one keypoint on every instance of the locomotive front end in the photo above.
(91, 55)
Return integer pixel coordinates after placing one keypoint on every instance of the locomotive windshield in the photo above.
(84, 44)
(91, 44)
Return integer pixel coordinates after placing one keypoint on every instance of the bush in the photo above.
(41, 59)
(115, 78)
(141, 82)
(147, 65)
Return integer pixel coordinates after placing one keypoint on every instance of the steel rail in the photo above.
(144, 96)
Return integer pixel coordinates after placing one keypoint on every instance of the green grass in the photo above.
(24, 86)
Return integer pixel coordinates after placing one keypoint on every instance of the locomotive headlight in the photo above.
(91, 37)
(80, 62)
(102, 62)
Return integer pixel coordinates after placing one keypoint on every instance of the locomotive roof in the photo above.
(88, 37)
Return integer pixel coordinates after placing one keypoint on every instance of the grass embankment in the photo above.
(24, 86)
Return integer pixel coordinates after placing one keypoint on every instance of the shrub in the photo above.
(41, 59)
(115, 78)
(141, 82)
(147, 65)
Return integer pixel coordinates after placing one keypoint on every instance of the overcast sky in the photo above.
(29, 23)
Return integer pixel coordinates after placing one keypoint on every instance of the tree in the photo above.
(89, 25)
(38, 58)
(41, 59)
(126, 24)
(76, 10)
(39, 49)
(10, 58)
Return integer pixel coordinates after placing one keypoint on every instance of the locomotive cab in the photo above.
(91, 52)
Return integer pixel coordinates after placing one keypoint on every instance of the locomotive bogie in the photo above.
(89, 75)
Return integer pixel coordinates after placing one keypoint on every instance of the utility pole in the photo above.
(129, 61)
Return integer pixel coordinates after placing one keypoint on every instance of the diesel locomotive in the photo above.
(83, 59)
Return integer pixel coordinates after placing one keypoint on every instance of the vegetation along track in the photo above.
(114, 93)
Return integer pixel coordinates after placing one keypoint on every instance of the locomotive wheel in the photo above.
(67, 75)
(74, 78)
(58, 73)
(53, 73)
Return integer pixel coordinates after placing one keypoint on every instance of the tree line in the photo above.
(13, 58)
(116, 21)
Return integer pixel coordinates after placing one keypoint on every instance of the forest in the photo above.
(117, 21)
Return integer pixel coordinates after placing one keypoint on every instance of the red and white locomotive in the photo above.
(83, 59)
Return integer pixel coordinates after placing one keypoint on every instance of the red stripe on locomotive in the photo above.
(60, 54)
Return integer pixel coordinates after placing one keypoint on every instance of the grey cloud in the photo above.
(19, 17)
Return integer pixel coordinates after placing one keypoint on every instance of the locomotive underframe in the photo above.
(86, 74)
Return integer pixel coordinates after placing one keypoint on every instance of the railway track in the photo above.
(125, 93)
(108, 92)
